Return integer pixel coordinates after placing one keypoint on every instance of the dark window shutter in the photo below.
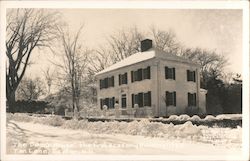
(145, 99)
(173, 73)
(194, 76)
(148, 70)
(113, 100)
(174, 98)
(101, 103)
(166, 72)
(126, 78)
(132, 76)
(149, 98)
(119, 79)
(194, 99)
(133, 101)
(188, 75)
(189, 99)
(167, 98)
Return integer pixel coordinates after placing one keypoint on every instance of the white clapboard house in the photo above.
(151, 83)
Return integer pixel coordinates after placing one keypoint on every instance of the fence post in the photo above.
(117, 111)
(136, 106)
(105, 107)
(66, 112)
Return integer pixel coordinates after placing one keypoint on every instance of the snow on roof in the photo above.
(135, 58)
(142, 56)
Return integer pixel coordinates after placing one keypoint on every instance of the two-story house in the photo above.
(163, 82)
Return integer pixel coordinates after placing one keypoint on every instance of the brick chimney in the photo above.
(146, 45)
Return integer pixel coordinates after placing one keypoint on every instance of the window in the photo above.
(123, 78)
(170, 98)
(142, 99)
(190, 75)
(191, 99)
(147, 99)
(169, 73)
(140, 74)
(146, 73)
(124, 101)
(109, 102)
(107, 82)
(111, 81)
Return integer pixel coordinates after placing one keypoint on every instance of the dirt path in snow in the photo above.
(30, 138)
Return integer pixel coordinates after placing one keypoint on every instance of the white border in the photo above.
(244, 5)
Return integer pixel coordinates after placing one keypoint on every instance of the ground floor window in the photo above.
(191, 99)
(170, 98)
(124, 101)
(142, 99)
(109, 102)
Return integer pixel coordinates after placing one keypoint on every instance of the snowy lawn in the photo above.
(27, 134)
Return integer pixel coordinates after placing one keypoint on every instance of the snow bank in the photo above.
(183, 118)
(209, 118)
(195, 118)
(144, 128)
(173, 118)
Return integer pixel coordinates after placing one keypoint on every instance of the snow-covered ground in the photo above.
(30, 138)
(138, 137)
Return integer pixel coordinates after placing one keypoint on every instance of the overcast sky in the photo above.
(219, 30)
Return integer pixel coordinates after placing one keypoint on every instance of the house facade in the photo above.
(151, 83)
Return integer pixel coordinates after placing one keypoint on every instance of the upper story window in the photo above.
(170, 98)
(169, 73)
(107, 82)
(123, 78)
(140, 74)
(191, 99)
(191, 76)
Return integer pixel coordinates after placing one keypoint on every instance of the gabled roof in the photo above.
(143, 56)
(135, 58)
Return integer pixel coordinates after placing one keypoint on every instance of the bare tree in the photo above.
(165, 40)
(124, 43)
(48, 78)
(26, 29)
(30, 89)
(74, 66)
(100, 59)
(212, 64)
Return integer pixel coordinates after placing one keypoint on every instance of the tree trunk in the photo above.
(11, 101)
